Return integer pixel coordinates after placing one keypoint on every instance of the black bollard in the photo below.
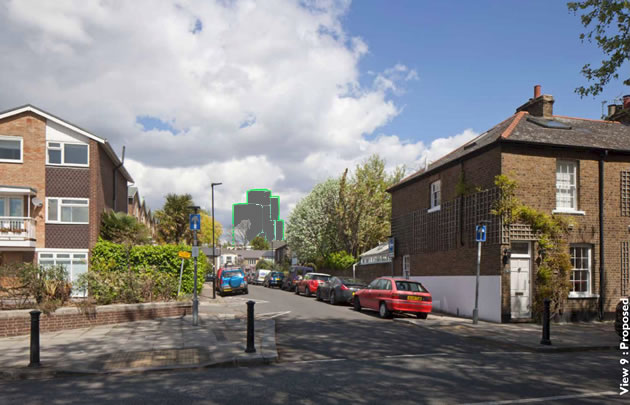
(35, 339)
(545, 332)
(250, 327)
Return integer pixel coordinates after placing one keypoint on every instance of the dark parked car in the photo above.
(274, 279)
(339, 290)
(296, 273)
(619, 314)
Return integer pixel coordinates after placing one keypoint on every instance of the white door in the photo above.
(519, 287)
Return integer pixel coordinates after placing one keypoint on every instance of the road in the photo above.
(333, 355)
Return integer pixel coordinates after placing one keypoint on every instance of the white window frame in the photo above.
(14, 138)
(573, 187)
(63, 154)
(588, 293)
(72, 253)
(59, 205)
(435, 189)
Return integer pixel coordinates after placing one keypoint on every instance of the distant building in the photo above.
(260, 215)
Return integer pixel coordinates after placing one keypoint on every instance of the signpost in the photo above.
(391, 251)
(184, 255)
(195, 225)
(480, 237)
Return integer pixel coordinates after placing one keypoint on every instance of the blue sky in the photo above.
(476, 60)
(273, 94)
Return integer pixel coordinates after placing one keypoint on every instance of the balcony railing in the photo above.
(17, 228)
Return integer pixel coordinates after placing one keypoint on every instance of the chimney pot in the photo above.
(626, 102)
(536, 91)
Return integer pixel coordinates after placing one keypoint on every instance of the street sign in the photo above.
(184, 255)
(195, 251)
(480, 233)
(195, 222)
(391, 247)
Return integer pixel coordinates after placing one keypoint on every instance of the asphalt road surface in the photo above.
(333, 355)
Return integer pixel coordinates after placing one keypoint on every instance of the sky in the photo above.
(283, 94)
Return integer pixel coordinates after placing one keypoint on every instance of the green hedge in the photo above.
(162, 258)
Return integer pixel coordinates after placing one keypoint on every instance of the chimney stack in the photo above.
(612, 109)
(540, 105)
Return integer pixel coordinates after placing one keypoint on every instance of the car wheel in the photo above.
(422, 315)
(383, 312)
(318, 296)
(357, 304)
(307, 291)
(246, 291)
(297, 290)
(332, 298)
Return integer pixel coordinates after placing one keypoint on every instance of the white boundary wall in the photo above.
(456, 295)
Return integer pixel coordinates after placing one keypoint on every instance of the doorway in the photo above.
(520, 275)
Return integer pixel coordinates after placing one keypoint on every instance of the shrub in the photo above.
(264, 264)
(151, 259)
(27, 285)
(339, 260)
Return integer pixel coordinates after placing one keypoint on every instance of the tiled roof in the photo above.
(520, 127)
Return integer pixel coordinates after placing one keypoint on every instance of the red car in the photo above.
(389, 295)
(308, 285)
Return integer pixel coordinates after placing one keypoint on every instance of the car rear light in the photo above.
(343, 287)
(428, 298)
(400, 296)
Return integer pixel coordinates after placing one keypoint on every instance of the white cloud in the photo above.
(260, 94)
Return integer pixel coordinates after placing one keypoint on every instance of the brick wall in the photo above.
(30, 173)
(535, 171)
(14, 323)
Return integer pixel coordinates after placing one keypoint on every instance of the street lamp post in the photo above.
(214, 257)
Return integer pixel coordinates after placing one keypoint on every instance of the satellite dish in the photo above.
(37, 202)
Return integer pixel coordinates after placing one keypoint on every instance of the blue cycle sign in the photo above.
(195, 222)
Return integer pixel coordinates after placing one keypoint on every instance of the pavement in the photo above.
(565, 337)
(151, 345)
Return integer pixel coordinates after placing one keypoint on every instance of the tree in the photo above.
(364, 206)
(119, 227)
(260, 243)
(311, 229)
(239, 232)
(205, 236)
(173, 219)
(611, 31)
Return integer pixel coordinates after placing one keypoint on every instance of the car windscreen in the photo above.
(321, 278)
(232, 273)
(409, 286)
(352, 282)
(277, 274)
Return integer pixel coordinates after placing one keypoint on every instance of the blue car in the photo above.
(232, 281)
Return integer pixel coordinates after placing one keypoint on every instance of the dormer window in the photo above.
(67, 154)
(436, 196)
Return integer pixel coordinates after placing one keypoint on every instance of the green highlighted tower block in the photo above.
(262, 210)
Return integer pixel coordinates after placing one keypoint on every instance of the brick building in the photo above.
(55, 181)
(559, 164)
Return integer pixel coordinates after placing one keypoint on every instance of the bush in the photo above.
(25, 284)
(107, 283)
(339, 260)
(158, 260)
(264, 264)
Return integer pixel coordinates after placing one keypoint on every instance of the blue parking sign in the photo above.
(480, 233)
(195, 222)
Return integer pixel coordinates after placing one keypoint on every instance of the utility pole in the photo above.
(195, 225)
(214, 256)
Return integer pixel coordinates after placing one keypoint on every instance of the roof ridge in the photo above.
(586, 119)
(517, 118)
